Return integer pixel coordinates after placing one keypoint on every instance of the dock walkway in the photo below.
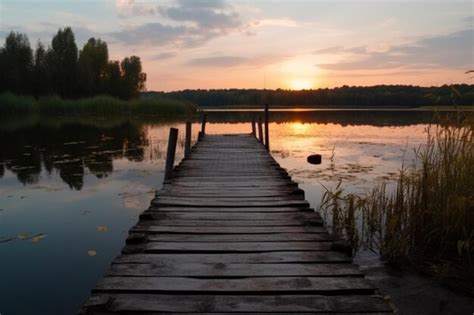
(231, 233)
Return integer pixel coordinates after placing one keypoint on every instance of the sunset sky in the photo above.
(273, 43)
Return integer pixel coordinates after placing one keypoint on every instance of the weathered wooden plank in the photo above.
(228, 230)
(228, 177)
(277, 237)
(247, 258)
(236, 215)
(230, 223)
(227, 202)
(239, 303)
(319, 285)
(250, 193)
(234, 184)
(222, 270)
(230, 209)
(235, 247)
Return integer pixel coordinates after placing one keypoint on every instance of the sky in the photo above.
(288, 44)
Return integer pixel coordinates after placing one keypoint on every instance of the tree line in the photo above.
(64, 70)
(353, 96)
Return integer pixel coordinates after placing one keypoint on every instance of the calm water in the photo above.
(70, 190)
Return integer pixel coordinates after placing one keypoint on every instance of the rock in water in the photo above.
(314, 159)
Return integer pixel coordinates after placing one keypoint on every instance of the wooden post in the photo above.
(187, 141)
(267, 136)
(171, 152)
(203, 125)
(260, 130)
(253, 127)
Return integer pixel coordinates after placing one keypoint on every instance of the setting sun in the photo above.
(301, 84)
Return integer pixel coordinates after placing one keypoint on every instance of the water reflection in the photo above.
(342, 117)
(32, 148)
(71, 150)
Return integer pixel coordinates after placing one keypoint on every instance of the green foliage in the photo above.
(133, 80)
(62, 63)
(428, 220)
(16, 64)
(62, 70)
(93, 61)
(114, 78)
(41, 77)
(101, 105)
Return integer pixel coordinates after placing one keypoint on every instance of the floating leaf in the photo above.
(38, 237)
(102, 228)
(91, 252)
(23, 236)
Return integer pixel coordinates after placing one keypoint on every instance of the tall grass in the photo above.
(427, 221)
(98, 106)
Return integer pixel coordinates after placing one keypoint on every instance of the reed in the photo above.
(102, 105)
(427, 220)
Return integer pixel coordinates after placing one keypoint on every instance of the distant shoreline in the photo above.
(279, 108)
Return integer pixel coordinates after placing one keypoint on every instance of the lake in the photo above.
(71, 188)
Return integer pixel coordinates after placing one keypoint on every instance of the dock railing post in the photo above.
(187, 140)
(260, 130)
(171, 152)
(267, 136)
(253, 127)
(203, 124)
(203, 127)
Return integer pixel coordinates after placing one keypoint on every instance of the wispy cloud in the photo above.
(128, 8)
(232, 61)
(453, 50)
(218, 61)
(165, 55)
(185, 24)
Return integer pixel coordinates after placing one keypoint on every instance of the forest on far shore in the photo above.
(345, 96)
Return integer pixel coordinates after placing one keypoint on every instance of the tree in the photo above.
(93, 64)
(133, 79)
(40, 77)
(62, 63)
(16, 63)
(114, 79)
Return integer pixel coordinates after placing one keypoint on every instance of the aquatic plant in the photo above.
(427, 220)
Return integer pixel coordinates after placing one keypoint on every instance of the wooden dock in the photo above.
(230, 232)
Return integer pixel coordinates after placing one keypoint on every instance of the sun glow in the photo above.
(299, 127)
(301, 84)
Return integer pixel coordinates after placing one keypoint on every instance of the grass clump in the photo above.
(102, 105)
(427, 221)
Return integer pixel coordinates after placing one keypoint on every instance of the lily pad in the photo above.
(102, 228)
(38, 237)
(23, 236)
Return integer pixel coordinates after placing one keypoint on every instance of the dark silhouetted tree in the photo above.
(16, 64)
(40, 77)
(62, 63)
(133, 79)
(114, 79)
(93, 62)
